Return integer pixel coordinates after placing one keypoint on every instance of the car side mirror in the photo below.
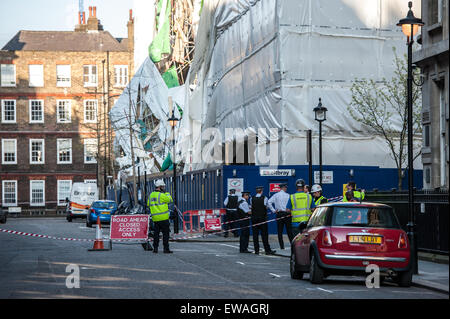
(302, 226)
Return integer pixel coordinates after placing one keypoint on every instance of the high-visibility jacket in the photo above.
(357, 195)
(158, 204)
(301, 207)
(321, 200)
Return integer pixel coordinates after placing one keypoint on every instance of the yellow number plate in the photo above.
(106, 213)
(364, 239)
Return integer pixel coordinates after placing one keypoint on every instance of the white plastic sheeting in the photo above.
(154, 96)
(265, 63)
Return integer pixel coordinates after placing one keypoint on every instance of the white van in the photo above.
(82, 196)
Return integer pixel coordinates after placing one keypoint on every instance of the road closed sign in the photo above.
(212, 224)
(129, 227)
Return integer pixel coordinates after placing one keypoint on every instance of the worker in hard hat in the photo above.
(316, 192)
(300, 206)
(158, 203)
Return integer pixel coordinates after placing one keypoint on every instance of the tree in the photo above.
(382, 109)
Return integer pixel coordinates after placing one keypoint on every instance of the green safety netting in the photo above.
(161, 43)
(171, 77)
(167, 164)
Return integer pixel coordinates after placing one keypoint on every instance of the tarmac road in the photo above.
(36, 268)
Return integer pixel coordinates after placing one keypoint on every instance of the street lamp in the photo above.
(173, 123)
(410, 26)
(320, 116)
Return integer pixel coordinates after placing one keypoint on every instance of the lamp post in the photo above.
(173, 123)
(320, 113)
(410, 26)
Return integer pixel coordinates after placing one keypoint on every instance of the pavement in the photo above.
(433, 269)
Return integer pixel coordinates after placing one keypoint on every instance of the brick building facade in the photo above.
(54, 129)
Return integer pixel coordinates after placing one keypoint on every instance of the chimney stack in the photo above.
(130, 26)
(95, 12)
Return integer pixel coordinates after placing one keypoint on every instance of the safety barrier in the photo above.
(194, 220)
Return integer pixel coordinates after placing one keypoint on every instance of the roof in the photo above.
(65, 41)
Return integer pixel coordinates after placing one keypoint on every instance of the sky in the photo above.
(60, 15)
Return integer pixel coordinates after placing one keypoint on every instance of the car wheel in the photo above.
(404, 278)
(69, 219)
(3, 220)
(295, 274)
(315, 272)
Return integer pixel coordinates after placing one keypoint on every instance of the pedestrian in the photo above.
(244, 213)
(277, 204)
(259, 206)
(358, 195)
(231, 205)
(300, 206)
(318, 197)
(350, 196)
(158, 203)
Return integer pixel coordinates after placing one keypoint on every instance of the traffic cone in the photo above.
(98, 243)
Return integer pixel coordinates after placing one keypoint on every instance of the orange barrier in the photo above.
(194, 220)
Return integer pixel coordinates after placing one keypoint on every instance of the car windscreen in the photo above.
(380, 217)
(105, 205)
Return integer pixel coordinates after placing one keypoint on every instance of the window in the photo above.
(64, 188)
(37, 193)
(435, 11)
(64, 111)
(90, 151)
(64, 150)
(426, 137)
(9, 151)
(36, 111)
(8, 75)
(90, 111)
(364, 217)
(9, 193)
(8, 111)
(37, 151)
(63, 76)
(121, 75)
(36, 75)
(90, 75)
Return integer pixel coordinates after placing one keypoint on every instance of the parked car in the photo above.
(82, 195)
(344, 238)
(103, 209)
(3, 216)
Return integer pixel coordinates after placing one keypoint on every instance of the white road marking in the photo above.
(325, 290)
(275, 275)
(240, 262)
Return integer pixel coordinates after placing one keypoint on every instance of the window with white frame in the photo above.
(8, 111)
(63, 76)
(9, 193)
(64, 150)
(90, 151)
(37, 151)
(90, 75)
(37, 193)
(8, 75)
(64, 111)
(121, 75)
(64, 188)
(36, 111)
(90, 111)
(36, 72)
(9, 151)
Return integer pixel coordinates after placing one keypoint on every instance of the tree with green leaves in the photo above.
(381, 108)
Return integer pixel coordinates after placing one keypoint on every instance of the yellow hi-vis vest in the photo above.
(158, 204)
(357, 195)
(301, 207)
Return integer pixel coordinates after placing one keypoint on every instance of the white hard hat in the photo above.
(159, 183)
(316, 188)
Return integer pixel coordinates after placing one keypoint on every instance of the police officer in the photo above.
(159, 208)
(277, 204)
(359, 196)
(318, 197)
(300, 206)
(231, 204)
(243, 212)
(259, 204)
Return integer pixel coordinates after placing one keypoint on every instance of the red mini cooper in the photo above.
(344, 238)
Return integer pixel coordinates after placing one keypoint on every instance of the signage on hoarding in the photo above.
(274, 187)
(327, 177)
(237, 184)
(276, 172)
(212, 224)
